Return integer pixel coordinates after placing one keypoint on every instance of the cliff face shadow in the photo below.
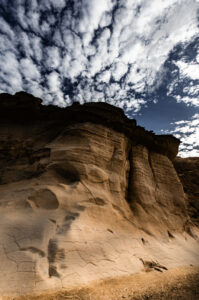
(67, 172)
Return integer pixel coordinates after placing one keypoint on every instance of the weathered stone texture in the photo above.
(85, 194)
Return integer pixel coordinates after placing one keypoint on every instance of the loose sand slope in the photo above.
(179, 283)
(84, 199)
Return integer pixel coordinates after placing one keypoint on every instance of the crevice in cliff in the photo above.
(153, 173)
(151, 166)
(129, 175)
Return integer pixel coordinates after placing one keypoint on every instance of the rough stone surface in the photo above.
(85, 194)
(188, 172)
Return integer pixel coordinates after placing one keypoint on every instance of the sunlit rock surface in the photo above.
(85, 194)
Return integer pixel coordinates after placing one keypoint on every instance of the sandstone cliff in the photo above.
(188, 172)
(86, 194)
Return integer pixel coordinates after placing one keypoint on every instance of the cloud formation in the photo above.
(184, 86)
(118, 51)
(188, 132)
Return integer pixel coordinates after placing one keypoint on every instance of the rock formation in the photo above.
(188, 172)
(86, 194)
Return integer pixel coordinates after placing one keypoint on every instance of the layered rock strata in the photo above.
(188, 172)
(85, 194)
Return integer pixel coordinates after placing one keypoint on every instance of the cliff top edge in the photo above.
(24, 107)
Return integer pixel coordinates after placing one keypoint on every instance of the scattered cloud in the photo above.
(112, 50)
(185, 88)
(188, 132)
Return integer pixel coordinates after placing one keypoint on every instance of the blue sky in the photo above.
(140, 55)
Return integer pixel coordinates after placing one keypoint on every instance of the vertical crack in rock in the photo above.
(129, 176)
(154, 176)
(52, 252)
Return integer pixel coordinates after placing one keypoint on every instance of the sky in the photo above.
(139, 55)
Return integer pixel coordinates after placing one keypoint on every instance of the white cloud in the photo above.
(92, 13)
(59, 4)
(53, 59)
(188, 132)
(189, 73)
(53, 82)
(188, 69)
(6, 29)
(10, 72)
(105, 76)
(36, 48)
(29, 69)
(189, 100)
(118, 70)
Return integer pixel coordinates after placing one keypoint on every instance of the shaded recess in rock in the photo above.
(66, 171)
(44, 199)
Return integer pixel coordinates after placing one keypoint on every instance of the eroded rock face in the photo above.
(85, 194)
(156, 194)
(188, 172)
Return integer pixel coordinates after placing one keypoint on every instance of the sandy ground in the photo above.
(179, 283)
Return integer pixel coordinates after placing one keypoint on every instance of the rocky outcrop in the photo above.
(85, 194)
(24, 107)
(188, 172)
